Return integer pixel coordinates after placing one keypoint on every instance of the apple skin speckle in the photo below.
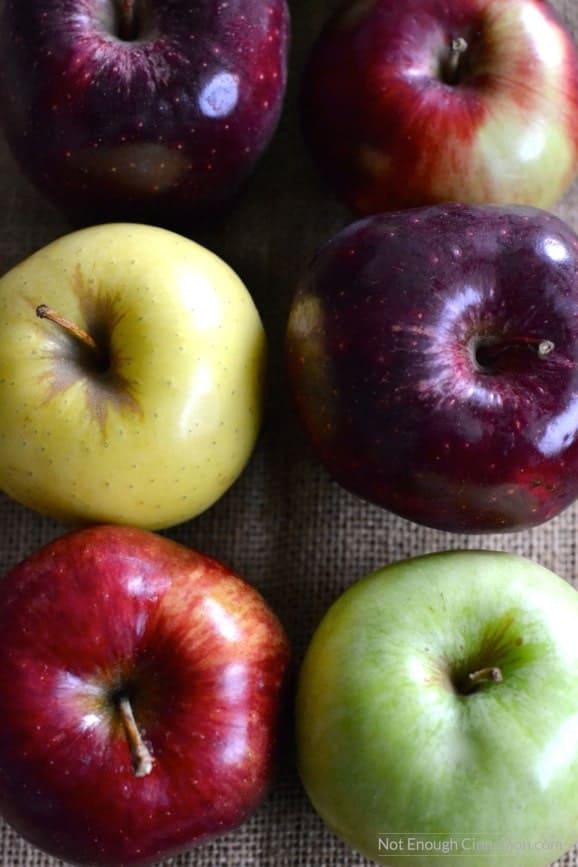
(159, 128)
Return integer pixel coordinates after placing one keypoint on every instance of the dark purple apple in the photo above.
(415, 102)
(433, 356)
(139, 691)
(148, 109)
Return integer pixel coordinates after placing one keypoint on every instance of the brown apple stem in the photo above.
(45, 312)
(142, 760)
(541, 347)
(492, 674)
(544, 348)
(458, 48)
(488, 353)
(126, 19)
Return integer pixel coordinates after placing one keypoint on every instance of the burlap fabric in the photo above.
(284, 526)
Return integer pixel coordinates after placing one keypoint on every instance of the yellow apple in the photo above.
(154, 421)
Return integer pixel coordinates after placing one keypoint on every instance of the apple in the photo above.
(137, 397)
(141, 109)
(139, 692)
(420, 102)
(433, 358)
(437, 707)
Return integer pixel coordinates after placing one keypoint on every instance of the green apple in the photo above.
(138, 398)
(437, 713)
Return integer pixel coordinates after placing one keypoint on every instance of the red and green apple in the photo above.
(423, 101)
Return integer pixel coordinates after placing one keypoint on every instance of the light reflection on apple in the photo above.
(219, 97)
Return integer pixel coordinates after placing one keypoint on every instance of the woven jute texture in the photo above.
(284, 526)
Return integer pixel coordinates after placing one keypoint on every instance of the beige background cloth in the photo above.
(284, 526)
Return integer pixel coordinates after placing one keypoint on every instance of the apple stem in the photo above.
(458, 48)
(141, 758)
(545, 347)
(126, 20)
(542, 347)
(45, 312)
(492, 674)
(488, 353)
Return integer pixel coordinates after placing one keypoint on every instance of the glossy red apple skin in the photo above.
(164, 127)
(387, 346)
(200, 655)
(390, 128)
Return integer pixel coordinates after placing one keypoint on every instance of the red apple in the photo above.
(433, 356)
(142, 109)
(139, 689)
(422, 101)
